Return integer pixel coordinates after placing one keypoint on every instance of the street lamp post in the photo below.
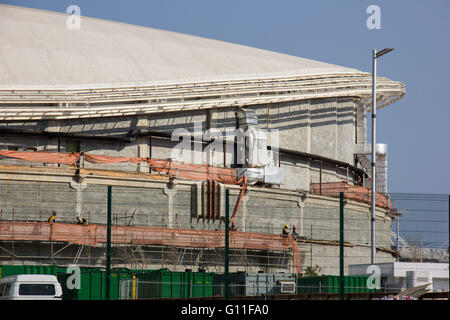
(375, 55)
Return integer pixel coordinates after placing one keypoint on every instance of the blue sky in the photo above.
(416, 128)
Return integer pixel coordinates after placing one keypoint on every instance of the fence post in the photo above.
(227, 244)
(108, 246)
(341, 246)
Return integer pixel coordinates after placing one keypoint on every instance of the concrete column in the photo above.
(52, 143)
(308, 129)
(143, 144)
(334, 104)
(361, 123)
(308, 174)
(222, 196)
(244, 213)
(78, 187)
(301, 206)
(171, 213)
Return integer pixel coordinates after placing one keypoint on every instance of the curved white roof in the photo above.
(39, 49)
(42, 62)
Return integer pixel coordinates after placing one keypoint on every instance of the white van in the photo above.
(30, 287)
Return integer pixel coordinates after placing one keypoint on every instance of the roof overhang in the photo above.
(108, 100)
(109, 69)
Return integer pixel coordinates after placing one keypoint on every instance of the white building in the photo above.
(398, 276)
(117, 90)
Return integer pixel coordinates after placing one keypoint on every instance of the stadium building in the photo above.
(156, 115)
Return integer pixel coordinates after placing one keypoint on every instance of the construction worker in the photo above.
(52, 218)
(82, 221)
(233, 227)
(294, 233)
(285, 230)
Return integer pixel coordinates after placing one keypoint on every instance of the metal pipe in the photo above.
(214, 199)
(320, 177)
(209, 182)
(316, 157)
(373, 160)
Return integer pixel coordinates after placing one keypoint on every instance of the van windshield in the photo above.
(37, 289)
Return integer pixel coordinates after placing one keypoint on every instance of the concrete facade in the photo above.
(323, 127)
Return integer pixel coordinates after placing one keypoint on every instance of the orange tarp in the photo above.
(193, 171)
(358, 193)
(94, 235)
(42, 156)
(173, 168)
(110, 159)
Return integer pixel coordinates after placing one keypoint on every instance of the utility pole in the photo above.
(108, 246)
(375, 55)
(373, 160)
(398, 232)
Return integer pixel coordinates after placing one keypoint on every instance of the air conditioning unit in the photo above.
(287, 286)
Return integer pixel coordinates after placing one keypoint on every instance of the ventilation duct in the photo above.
(247, 117)
(259, 162)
